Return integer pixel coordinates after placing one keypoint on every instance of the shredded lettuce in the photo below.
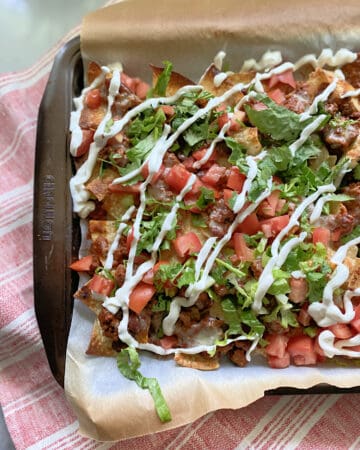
(276, 121)
(128, 362)
(163, 80)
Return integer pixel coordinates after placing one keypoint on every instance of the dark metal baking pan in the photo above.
(56, 228)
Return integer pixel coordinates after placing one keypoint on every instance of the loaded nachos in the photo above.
(224, 216)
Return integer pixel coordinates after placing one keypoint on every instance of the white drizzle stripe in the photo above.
(220, 137)
(114, 245)
(316, 213)
(322, 97)
(306, 132)
(76, 132)
(327, 313)
(79, 194)
(194, 290)
(167, 224)
(294, 219)
(150, 103)
(340, 347)
(266, 278)
(354, 93)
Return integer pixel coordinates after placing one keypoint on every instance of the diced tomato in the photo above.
(307, 359)
(87, 138)
(130, 189)
(156, 176)
(129, 82)
(235, 120)
(250, 225)
(168, 110)
(301, 349)
(83, 264)
(321, 235)
(318, 350)
(279, 363)
(286, 77)
(355, 323)
(236, 179)
(280, 205)
(93, 99)
(141, 89)
(341, 331)
(177, 177)
(228, 193)
(169, 342)
(214, 175)
(129, 239)
(188, 163)
(276, 345)
(148, 278)
(186, 244)
(200, 153)
(243, 252)
(272, 227)
(277, 96)
(298, 289)
(267, 207)
(101, 285)
(140, 297)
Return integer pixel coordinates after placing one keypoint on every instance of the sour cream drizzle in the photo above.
(76, 131)
(205, 281)
(114, 245)
(80, 195)
(354, 93)
(327, 313)
(278, 258)
(210, 249)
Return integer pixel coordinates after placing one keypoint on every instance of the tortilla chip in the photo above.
(94, 70)
(91, 118)
(207, 80)
(176, 81)
(105, 228)
(99, 186)
(248, 137)
(99, 344)
(199, 361)
(84, 295)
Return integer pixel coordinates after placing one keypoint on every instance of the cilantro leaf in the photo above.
(128, 363)
(207, 197)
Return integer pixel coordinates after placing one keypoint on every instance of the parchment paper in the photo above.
(189, 33)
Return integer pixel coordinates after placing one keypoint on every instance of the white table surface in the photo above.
(31, 27)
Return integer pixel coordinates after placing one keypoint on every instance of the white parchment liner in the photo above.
(190, 33)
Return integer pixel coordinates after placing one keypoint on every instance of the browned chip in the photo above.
(91, 118)
(99, 344)
(117, 204)
(176, 81)
(353, 282)
(94, 70)
(248, 137)
(99, 186)
(84, 295)
(207, 81)
(200, 361)
(352, 72)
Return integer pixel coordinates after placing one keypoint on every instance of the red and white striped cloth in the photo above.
(35, 409)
